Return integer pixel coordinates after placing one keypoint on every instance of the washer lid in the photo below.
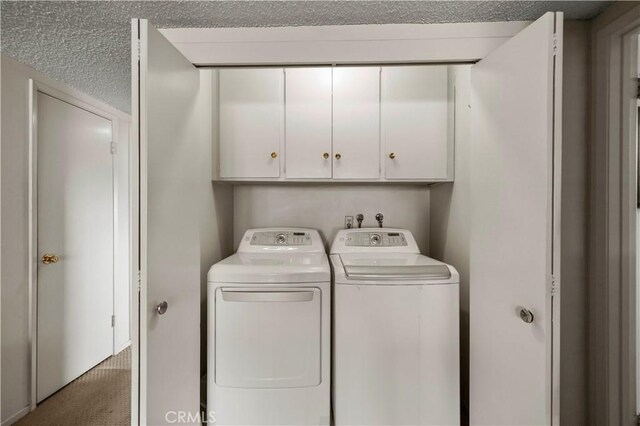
(393, 266)
(271, 268)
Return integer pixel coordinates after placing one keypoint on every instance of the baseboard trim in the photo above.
(15, 417)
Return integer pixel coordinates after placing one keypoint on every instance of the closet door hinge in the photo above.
(138, 49)
(139, 279)
(114, 148)
(113, 321)
(554, 285)
(555, 44)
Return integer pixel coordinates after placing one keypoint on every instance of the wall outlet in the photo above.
(348, 222)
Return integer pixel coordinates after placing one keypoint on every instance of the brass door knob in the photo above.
(325, 155)
(274, 154)
(48, 258)
(392, 155)
(338, 156)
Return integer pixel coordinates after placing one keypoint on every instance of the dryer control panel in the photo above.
(281, 238)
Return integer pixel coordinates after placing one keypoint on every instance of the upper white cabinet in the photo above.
(366, 123)
(417, 128)
(356, 123)
(251, 122)
(308, 123)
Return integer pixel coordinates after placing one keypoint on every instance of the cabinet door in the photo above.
(356, 123)
(416, 127)
(251, 122)
(308, 122)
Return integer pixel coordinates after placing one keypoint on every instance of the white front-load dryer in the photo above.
(396, 332)
(269, 325)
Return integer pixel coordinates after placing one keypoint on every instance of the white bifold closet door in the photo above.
(515, 218)
(168, 128)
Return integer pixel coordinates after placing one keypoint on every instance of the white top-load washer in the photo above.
(396, 340)
(269, 325)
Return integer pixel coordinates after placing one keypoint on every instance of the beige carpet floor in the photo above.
(101, 396)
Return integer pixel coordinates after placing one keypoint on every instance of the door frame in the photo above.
(36, 86)
(428, 41)
(612, 241)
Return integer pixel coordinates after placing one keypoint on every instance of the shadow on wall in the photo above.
(449, 243)
(216, 243)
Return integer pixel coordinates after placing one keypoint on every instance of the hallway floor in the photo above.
(101, 396)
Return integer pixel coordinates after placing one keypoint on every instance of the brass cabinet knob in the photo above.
(338, 156)
(274, 154)
(48, 258)
(325, 155)
(392, 155)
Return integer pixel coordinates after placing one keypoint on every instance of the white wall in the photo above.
(14, 222)
(449, 227)
(216, 208)
(324, 207)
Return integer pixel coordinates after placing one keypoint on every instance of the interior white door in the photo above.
(169, 120)
(308, 122)
(75, 223)
(251, 122)
(417, 128)
(356, 123)
(514, 258)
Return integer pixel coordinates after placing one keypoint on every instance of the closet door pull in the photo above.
(162, 308)
(526, 315)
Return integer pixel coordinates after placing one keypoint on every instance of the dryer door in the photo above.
(267, 338)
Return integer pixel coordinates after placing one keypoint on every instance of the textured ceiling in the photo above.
(86, 43)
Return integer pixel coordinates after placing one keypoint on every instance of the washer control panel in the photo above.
(281, 238)
(375, 239)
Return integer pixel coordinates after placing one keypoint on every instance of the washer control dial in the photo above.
(281, 239)
(375, 239)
